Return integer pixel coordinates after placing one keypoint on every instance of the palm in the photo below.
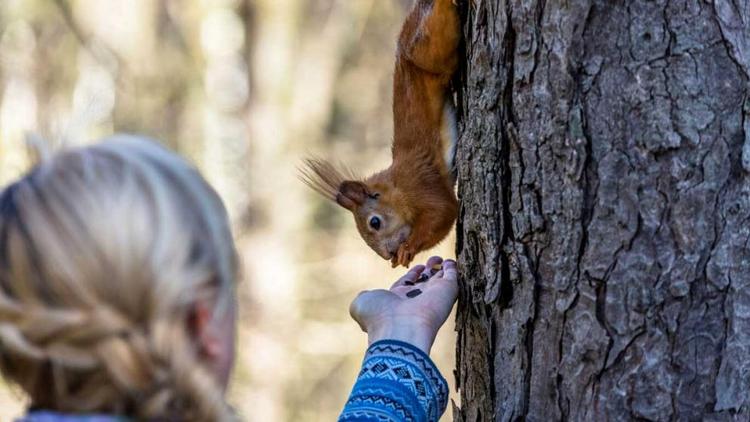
(424, 304)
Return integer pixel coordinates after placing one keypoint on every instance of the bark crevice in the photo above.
(604, 235)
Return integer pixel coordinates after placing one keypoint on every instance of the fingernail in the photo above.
(413, 293)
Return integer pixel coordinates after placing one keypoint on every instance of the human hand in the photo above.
(413, 309)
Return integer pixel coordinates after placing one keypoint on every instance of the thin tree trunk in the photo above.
(604, 233)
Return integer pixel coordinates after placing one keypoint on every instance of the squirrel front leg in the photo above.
(407, 251)
(430, 36)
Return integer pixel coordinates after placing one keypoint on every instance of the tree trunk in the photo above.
(604, 233)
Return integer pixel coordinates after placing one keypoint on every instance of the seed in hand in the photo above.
(413, 293)
(422, 278)
(435, 268)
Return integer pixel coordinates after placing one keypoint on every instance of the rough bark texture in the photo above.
(604, 234)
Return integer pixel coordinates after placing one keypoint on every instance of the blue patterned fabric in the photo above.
(398, 382)
(43, 416)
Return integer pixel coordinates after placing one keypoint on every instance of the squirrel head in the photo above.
(375, 204)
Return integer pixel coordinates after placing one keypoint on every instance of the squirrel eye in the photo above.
(375, 223)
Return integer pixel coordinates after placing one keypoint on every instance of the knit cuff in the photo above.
(397, 382)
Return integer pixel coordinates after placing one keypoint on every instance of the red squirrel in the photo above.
(411, 205)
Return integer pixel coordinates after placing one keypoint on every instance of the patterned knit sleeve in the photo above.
(398, 382)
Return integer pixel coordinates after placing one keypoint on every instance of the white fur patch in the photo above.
(449, 135)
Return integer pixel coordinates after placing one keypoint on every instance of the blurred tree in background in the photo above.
(243, 89)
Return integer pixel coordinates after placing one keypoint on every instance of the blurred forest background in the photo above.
(243, 89)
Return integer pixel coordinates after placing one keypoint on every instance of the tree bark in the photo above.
(604, 231)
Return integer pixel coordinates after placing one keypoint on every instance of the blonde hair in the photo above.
(104, 251)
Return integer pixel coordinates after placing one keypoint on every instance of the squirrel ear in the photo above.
(351, 194)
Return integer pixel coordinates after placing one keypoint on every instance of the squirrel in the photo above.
(411, 205)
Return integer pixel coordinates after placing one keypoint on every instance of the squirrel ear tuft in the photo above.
(351, 194)
(323, 177)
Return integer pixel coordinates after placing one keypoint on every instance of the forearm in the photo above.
(418, 335)
(397, 382)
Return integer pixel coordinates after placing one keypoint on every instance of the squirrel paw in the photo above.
(404, 256)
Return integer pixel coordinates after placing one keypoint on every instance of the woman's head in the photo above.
(117, 272)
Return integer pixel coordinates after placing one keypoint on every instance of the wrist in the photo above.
(416, 333)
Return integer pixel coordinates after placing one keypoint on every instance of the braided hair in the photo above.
(104, 251)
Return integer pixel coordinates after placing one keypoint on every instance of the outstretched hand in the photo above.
(413, 309)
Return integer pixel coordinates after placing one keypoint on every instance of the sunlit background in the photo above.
(243, 89)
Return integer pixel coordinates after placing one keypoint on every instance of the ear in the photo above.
(351, 194)
(201, 326)
(214, 337)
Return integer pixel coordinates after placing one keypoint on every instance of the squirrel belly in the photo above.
(449, 137)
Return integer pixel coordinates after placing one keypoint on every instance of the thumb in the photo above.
(366, 306)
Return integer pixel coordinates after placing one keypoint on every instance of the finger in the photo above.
(435, 271)
(410, 277)
(446, 280)
(450, 269)
(432, 266)
(423, 277)
(449, 272)
(434, 262)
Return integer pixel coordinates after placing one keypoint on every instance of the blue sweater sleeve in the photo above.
(398, 382)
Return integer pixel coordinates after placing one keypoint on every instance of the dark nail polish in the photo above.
(413, 293)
